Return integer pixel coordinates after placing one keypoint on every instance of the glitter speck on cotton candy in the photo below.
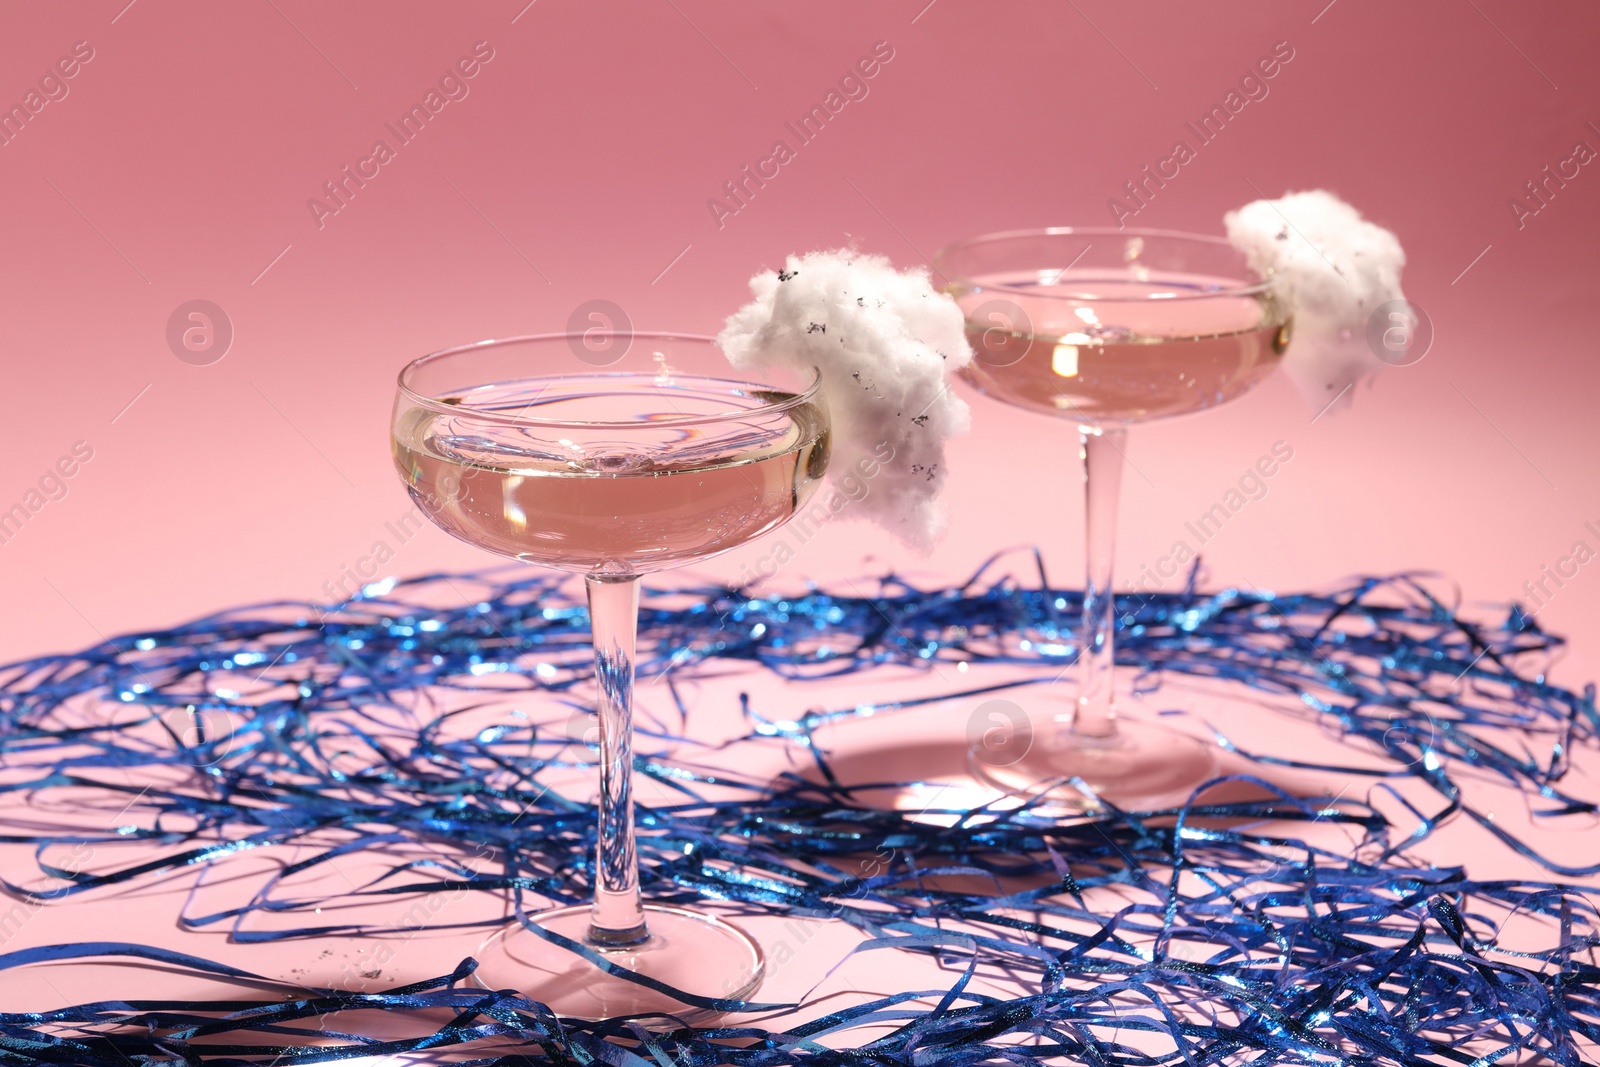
(885, 342)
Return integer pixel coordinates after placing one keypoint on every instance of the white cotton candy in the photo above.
(885, 342)
(1333, 269)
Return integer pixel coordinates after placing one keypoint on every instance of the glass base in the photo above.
(1141, 766)
(687, 950)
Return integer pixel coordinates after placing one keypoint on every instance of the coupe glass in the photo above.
(609, 455)
(1108, 328)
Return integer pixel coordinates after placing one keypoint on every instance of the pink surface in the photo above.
(578, 166)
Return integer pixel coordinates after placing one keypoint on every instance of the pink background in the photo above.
(593, 140)
(194, 138)
(180, 163)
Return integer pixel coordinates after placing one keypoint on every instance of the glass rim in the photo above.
(402, 382)
(1263, 284)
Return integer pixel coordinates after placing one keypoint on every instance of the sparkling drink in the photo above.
(1127, 355)
(636, 506)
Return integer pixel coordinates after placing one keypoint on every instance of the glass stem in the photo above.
(1095, 715)
(618, 914)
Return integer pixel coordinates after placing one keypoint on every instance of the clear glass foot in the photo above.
(1140, 766)
(686, 949)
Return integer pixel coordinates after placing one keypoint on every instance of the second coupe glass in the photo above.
(1108, 328)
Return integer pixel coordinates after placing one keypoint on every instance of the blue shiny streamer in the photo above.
(1235, 937)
